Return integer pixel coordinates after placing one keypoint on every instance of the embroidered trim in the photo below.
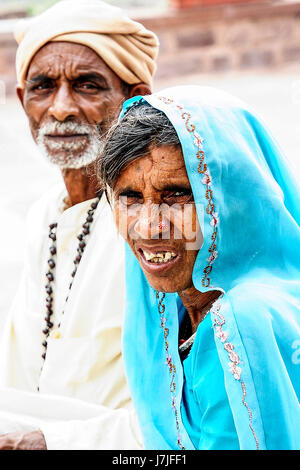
(172, 368)
(249, 413)
(234, 368)
(219, 320)
(206, 180)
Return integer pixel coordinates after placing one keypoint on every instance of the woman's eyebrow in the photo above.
(176, 187)
(126, 190)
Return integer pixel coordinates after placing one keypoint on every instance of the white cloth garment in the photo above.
(83, 400)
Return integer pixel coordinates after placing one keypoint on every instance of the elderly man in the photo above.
(61, 371)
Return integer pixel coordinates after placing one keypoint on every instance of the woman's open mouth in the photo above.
(157, 260)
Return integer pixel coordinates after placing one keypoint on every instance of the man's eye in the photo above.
(40, 87)
(87, 87)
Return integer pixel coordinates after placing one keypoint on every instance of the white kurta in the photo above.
(84, 401)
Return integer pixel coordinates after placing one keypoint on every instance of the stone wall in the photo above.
(226, 37)
(209, 39)
(184, 4)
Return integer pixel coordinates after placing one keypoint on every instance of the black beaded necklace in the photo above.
(50, 273)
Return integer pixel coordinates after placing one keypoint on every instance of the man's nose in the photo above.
(152, 223)
(64, 106)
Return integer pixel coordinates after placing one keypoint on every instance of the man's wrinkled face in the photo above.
(70, 98)
(156, 213)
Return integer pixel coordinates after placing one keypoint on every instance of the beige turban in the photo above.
(128, 48)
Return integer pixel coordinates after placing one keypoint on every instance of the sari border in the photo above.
(219, 320)
(234, 360)
(206, 181)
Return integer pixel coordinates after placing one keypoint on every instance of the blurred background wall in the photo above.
(250, 48)
(196, 36)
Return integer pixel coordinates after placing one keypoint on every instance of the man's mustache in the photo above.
(78, 151)
(69, 127)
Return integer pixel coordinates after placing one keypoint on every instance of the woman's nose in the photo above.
(152, 223)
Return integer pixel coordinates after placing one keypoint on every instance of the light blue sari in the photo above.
(239, 388)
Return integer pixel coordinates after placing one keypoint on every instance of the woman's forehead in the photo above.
(164, 163)
(163, 158)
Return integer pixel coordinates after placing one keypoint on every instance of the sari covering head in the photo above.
(247, 203)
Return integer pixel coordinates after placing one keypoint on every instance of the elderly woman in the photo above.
(211, 216)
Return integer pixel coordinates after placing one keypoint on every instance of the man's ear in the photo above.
(139, 89)
(20, 94)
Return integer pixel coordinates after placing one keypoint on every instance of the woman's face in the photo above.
(155, 212)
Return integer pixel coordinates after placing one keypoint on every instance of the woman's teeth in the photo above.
(162, 257)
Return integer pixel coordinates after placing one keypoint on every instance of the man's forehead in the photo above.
(78, 57)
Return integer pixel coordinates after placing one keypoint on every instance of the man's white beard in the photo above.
(67, 154)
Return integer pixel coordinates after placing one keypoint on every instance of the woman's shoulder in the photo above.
(265, 304)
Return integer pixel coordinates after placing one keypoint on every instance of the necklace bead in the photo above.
(51, 263)
(50, 274)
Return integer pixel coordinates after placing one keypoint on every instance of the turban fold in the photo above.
(126, 46)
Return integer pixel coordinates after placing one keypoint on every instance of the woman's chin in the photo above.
(165, 290)
(165, 285)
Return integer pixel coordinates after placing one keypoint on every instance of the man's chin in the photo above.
(70, 162)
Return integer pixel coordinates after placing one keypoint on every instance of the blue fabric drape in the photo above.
(255, 263)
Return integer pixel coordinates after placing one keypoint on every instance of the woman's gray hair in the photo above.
(142, 128)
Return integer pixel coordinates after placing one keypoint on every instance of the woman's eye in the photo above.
(129, 199)
(179, 196)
